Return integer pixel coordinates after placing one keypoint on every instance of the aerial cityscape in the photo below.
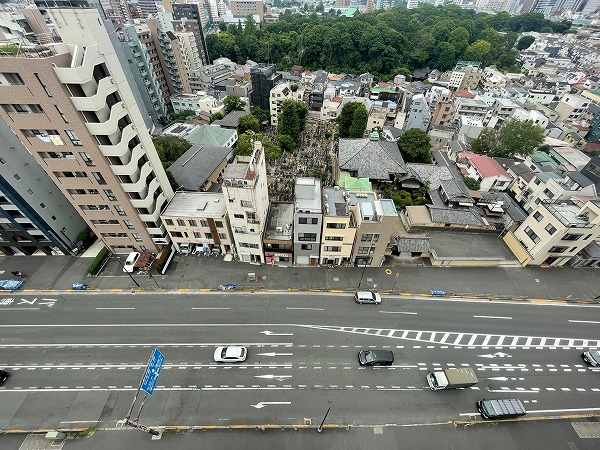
(290, 223)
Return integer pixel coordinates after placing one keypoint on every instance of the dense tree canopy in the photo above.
(249, 122)
(292, 119)
(415, 146)
(515, 137)
(170, 148)
(381, 42)
(233, 103)
(353, 120)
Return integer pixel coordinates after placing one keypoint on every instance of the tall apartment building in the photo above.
(242, 8)
(147, 8)
(339, 228)
(375, 220)
(281, 92)
(555, 232)
(189, 17)
(419, 114)
(92, 139)
(35, 216)
(137, 45)
(264, 78)
(247, 199)
(308, 221)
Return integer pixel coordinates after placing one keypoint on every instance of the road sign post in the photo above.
(147, 384)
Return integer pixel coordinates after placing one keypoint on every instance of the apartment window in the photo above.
(17, 177)
(37, 75)
(219, 224)
(538, 216)
(333, 249)
(557, 249)
(208, 235)
(62, 114)
(314, 220)
(548, 193)
(222, 236)
(2, 161)
(87, 159)
(168, 221)
(181, 222)
(587, 236)
(70, 174)
(74, 138)
(13, 78)
(302, 220)
(334, 238)
(30, 192)
(306, 246)
(99, 178)
(536, 181)
(550, 229)
(307, 236)
(128, 224)
(137, 237)
(120, 210)
(109, 195)
(94, 207)
(571, 237)
(336, 226)
(239, 216)
(370, 237)
(43, 205)
(246, 204)
(534, 237)
(204, 223)
(197, 235)
(193, 223)
(363, 250)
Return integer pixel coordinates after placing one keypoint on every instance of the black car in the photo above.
(3, 376)
(592, 358)
(375, 358)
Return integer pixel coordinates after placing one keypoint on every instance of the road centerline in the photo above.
(494, 317)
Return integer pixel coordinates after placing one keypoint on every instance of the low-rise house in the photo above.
(490, 174)
(213, 136)
(199, 219)
(201, 167)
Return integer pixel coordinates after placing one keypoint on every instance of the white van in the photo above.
(184, 249)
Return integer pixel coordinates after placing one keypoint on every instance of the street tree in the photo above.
(415, 146)
(233, 103)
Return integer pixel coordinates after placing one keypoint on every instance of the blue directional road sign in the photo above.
(152, 371)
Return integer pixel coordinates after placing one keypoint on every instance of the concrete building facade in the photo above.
(308, 221)
(339, 228)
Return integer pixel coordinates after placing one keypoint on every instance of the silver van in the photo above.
(367, 297)
(501, 409)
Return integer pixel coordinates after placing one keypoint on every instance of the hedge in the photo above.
(98, 262)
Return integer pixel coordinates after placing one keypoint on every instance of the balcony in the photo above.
(82, 66)
(149, 199)
(96, 102)
(140, 183)
(111, 125)
(120, 149)
(130, 167)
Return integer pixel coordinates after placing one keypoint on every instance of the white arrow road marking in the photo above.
(260, 405)
(274, 354)
(273, 377)
(496, 355)
(270, 333)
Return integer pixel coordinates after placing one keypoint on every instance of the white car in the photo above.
(230, 354)
(130, 262)
(367, 297)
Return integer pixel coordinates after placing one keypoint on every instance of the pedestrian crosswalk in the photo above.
(465, 339)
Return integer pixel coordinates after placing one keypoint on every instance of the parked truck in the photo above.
(452, 378)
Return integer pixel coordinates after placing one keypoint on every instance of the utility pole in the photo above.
(320, 427)
(128, 273)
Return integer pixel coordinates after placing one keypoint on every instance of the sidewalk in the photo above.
(198, 272)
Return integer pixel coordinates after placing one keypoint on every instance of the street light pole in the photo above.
(365, 266)
(320, 427)
(128, 273)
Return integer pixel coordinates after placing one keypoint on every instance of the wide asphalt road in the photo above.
(77, 360)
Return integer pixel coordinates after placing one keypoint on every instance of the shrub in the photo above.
(98, 262)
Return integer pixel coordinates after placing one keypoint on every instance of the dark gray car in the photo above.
(375, 358)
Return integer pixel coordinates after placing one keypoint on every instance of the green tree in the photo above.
(272, 152)
(286, 142)
(472, 183)
(514, 138)
(216, 116)
(182, 115)
(346, 117)
(244, 146)
(359, 122)
(320, 8)
(261, 114)
(415, 146)
(170, 148)
(249, 122)
(233, 103)
(486, 143)
(478, 51)
(292, 119)
(525, 42)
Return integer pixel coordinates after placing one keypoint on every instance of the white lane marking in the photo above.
(583, 321)
(143, 365)
(397, 312)
(274, 354)
(520, 391)
(115, 308)
(493, 317)
(170, 344)
(271, 333)
(311, 309)
(208, 307)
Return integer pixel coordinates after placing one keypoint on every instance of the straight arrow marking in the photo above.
(270, 333)
(260, 405)
(271, 377)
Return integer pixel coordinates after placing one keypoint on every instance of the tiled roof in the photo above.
(375, 160)
(486, 166)
(406, 244)
(454, 216)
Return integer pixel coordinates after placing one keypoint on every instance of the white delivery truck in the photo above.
(452, 378)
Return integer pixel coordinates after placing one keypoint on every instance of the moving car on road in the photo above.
(130, 262)
(3, 376)
(367, 297)
(501, 409)
(592, 358)
(230, 354)
(375, 358)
